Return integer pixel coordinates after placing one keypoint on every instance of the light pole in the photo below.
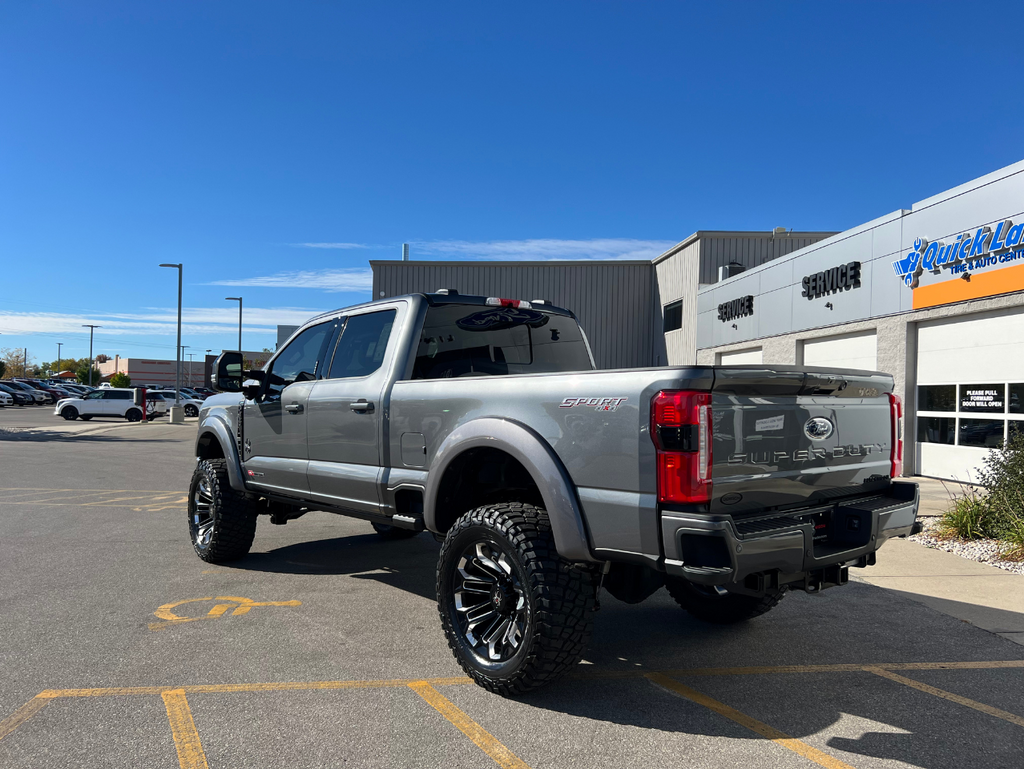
(91, 330)
(239, 300)
(59, 345)
(190, 368)
(177, 348)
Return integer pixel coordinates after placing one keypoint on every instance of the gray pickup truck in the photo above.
(483, 421)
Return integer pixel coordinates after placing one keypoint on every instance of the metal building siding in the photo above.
(611, 299)
(676, 279)
(748, 251)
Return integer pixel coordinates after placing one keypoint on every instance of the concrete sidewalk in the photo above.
(983, 595)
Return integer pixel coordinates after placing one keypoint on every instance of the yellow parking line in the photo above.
(769, 732)
(284, 686)
(484, 740)
(183, 728)
(988, 709)
(22, 714)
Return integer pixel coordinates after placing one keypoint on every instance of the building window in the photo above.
(936, 398)
(936, 430)
(950, 413)
(673, 316)
(987, 433)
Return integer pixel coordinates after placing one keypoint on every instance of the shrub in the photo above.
(1003, 477)
(967, 518)
(120, 379)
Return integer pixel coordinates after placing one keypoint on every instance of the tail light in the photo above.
(681, 431)
(896, 421)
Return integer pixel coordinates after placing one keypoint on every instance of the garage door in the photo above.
(843, 351)
(740, 357)
(970, 393)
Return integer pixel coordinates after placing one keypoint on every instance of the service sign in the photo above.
(841, 278)
(971, 251)
(737, 308)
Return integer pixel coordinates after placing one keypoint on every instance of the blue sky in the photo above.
(274, 148)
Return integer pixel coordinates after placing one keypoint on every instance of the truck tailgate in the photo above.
(783, 437)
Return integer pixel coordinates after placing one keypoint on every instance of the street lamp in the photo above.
(177, 348)
(91, 330)
(59, 345)
(190, 368)
(239, 300)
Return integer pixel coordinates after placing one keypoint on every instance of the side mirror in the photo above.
(227, 372)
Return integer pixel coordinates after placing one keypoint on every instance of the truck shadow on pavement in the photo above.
(407, 564)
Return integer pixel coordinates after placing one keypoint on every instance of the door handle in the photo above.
(294, 408)
(362, 405)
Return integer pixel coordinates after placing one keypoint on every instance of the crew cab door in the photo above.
(345, 414)
(274, 428)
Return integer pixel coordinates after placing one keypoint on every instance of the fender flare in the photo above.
(543, 465)
(218, 428)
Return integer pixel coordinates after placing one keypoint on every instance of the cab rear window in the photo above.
(473, 340)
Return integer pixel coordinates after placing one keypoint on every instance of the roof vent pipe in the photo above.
(405, 252)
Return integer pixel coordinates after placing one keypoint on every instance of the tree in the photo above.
(15, 360)
(3, 369)
(82, 372)
(101, 358)
(120, 379)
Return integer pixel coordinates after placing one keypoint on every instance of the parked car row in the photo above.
(120, 402)
(23, 391)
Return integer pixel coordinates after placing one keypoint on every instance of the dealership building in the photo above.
(932, 294)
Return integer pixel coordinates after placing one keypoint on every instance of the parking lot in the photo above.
(323, 648)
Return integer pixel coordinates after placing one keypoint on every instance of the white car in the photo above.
(108, 402)
(5, 399)
(191, 405)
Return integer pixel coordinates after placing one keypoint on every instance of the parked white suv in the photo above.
(108, 402)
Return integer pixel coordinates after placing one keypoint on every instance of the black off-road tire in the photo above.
(559, 598)
(70, 413)
(221, 521)
(393, 532)
(707, 604)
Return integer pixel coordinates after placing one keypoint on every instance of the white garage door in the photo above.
(970, 393)
(857, 350)
(740, 357)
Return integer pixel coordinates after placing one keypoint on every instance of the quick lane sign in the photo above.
(841, 278)
(737, 308)
(970, 251)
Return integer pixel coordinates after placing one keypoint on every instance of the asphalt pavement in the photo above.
(119, 648)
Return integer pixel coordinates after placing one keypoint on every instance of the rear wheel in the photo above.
(714, 604)
(133, 415)
(221, 521)
(191, 411)
(516, 614)
(70, 413)
(393, 532)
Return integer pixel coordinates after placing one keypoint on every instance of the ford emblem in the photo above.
(818, 428)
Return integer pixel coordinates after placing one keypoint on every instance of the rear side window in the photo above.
(118, 396)
(364, 339)
(471, 340)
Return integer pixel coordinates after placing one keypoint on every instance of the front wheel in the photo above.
(191, 411)
(221, 521)
(716, 605)
(70, 413)
(516, 614)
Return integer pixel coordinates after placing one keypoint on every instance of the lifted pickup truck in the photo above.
(483, 421)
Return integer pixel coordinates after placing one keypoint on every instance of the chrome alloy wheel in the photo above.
(201, 522)
(490, 602)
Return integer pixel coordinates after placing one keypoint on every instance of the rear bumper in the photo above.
(716, 550)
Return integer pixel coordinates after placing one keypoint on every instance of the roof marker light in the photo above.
(517, 304)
